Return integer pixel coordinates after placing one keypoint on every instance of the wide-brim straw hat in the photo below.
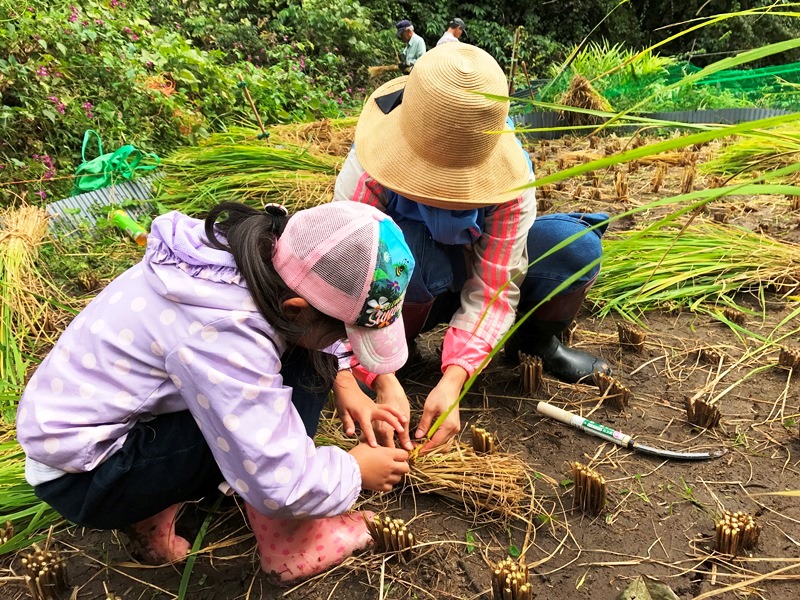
(436, 146)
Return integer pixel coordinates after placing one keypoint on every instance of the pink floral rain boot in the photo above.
(293, 549)
(154, 540)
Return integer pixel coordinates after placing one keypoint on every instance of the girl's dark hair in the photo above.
(251, 235)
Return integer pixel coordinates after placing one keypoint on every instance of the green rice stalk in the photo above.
(246, 171)
(706, 264)
(18, 504)
(757, 154)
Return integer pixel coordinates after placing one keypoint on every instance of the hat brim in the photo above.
(383, 150)
(379, 350)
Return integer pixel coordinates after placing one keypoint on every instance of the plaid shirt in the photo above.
(488, 305)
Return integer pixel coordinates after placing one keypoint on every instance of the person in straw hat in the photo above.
(427, 151)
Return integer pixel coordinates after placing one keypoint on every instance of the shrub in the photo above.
(109, 66)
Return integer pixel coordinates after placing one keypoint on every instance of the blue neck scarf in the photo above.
(448, 227)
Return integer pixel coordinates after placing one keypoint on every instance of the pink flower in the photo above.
(60, 106)
(135, 37)
(87, 106)
(42, 72)
(42, 194)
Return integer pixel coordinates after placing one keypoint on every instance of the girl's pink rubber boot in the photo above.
(294, 549)
(154, 540)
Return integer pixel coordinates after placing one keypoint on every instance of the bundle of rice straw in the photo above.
(230, 166)
(708, 263)
(22, 231)
(496, 482)
(581, 94)
(380, 70)
(327, 136)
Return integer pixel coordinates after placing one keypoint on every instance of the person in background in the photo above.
(201, 368)
(454, 30)
(471, 227)
(414, 46)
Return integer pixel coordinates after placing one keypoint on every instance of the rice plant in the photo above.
(756, 153)
(18, 504)
(707, 263)
(245, 170)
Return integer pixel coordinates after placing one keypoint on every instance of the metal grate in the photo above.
(69, 215)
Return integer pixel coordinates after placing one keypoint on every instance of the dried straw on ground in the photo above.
(581, 94)
(327, 136)
(494, 482)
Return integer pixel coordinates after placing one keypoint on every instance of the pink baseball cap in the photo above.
(350, 261)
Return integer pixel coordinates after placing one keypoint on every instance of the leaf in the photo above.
(513, 551)
(61, 48)
(645, 589)
(470, 542)
(50, 115)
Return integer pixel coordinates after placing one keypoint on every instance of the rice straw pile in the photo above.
(496, 482)
(480, 482)
(232, 167)
(328, 136)
(707, 263)
(381, 70)
(581, 94)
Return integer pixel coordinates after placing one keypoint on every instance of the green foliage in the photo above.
(112, 67)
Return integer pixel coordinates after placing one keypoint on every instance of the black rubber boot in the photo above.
(564, 363)
(538, 336)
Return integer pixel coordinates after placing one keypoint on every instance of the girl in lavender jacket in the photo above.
(201, 368)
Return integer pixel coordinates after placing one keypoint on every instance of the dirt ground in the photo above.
(659, 516)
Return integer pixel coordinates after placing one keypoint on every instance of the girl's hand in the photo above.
(381, 468)
(392, 395)
(354, 406)
(441, 398)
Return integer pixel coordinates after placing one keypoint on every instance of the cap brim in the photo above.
(383, 150)
(381, 350)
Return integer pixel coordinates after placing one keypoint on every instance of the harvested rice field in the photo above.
(709, 339)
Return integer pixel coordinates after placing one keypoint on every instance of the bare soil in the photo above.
(660, 513)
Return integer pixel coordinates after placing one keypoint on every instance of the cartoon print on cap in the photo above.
(392, 274)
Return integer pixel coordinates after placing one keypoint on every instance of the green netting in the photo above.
(775, 87)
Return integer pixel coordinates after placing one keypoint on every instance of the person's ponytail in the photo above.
(250, 235)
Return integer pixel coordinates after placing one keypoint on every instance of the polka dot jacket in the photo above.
(180, 331)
